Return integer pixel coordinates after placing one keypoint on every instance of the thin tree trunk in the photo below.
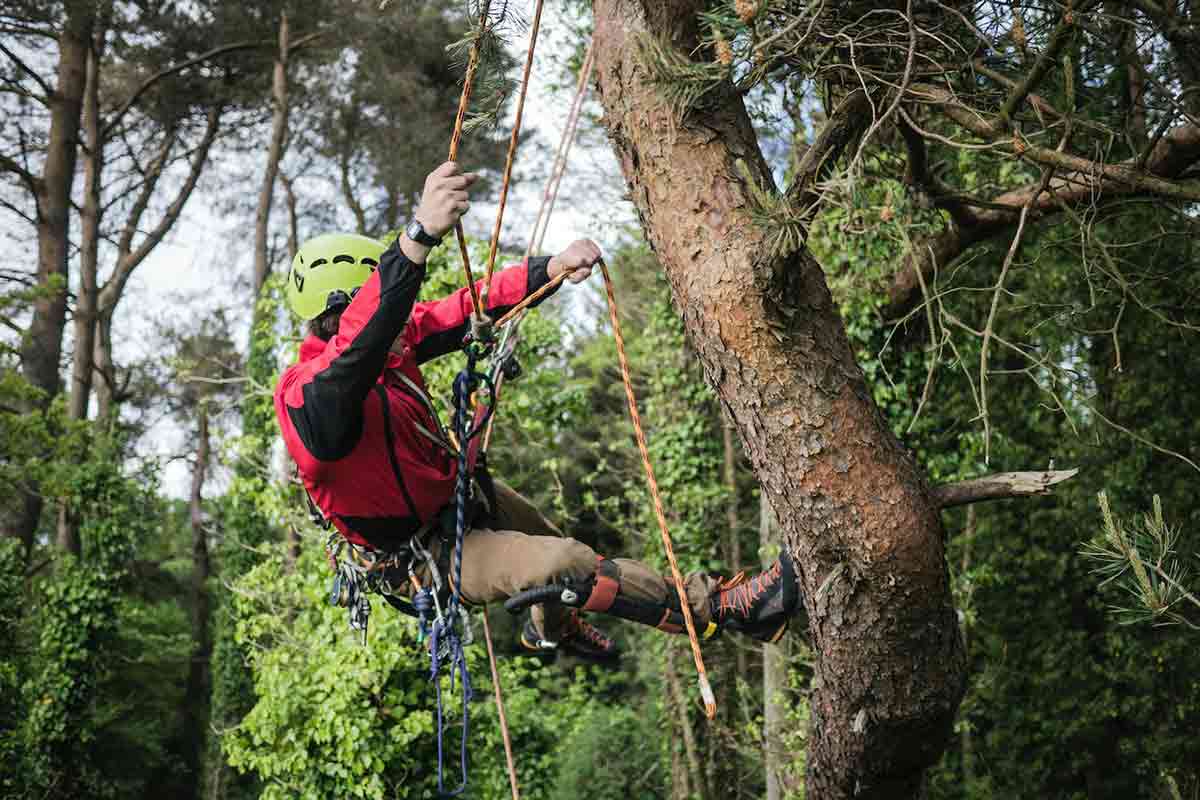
(854, 508)
(42, 346)
(968, 748)
(774, 674)
(694, 768)
(279, 129)
(734, 535)
(285, 466)
(679, 784)
(89, 251)
(102, 363)
(196, 694)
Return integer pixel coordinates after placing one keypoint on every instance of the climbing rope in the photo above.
(508, 748)
(446, 641)
(504, 361)
(550, 194)
(706, 692)
(512, 153)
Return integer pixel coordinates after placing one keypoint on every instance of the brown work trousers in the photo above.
(526, 550)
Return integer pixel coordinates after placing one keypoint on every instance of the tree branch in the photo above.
(846, 122)
(1086, 171)
(171, 215)
(1062, 32)
(31, 181)
(47, 92)
(157, 165)
(168, 71)
(999, 486)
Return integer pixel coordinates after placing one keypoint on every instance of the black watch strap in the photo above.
(418, 234)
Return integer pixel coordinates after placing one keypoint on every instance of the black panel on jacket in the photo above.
(330, 421)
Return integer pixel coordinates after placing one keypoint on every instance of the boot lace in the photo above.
(738, 595)
(580, 628)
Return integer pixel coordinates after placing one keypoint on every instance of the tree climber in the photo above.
(377, 463)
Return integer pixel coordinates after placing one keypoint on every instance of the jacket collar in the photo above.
(313, 346)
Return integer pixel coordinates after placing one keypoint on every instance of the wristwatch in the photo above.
(415, 231)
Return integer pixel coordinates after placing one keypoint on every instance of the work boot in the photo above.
(579, 638)
(759, 607)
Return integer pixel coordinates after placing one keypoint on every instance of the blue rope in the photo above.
(445, 630)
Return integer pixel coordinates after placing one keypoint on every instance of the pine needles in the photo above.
(786, 223)
(1141, 558)
(682, 82)
(493, 80)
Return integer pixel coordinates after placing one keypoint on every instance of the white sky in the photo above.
(188, 273)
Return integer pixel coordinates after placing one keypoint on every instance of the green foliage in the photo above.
(607, 753)
(71, 646)
(1143, 560)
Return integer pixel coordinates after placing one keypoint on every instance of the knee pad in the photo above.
(606, 597)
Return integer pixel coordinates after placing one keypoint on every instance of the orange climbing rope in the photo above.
(508, 748)
(479, 304)
(706, 692)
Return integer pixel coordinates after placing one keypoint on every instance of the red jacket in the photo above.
(355, 416)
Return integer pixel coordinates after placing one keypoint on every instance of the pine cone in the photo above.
(724, 52)
(746, 10)
(1018, 30)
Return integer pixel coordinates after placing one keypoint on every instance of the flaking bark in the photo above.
(855, 510)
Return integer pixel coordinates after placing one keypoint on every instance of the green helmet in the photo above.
(328, 263)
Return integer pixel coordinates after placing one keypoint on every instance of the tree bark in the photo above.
(692, 766)
(90, 215)
(279, 129)
(196, 693)
(854, 509)
(999, 486)
(42, 346)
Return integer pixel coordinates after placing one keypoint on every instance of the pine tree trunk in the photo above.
(854, 510)
(279, 129)
(692, 765)
(89, 253)
(42, 346)
(196, 693)
(968, 747)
